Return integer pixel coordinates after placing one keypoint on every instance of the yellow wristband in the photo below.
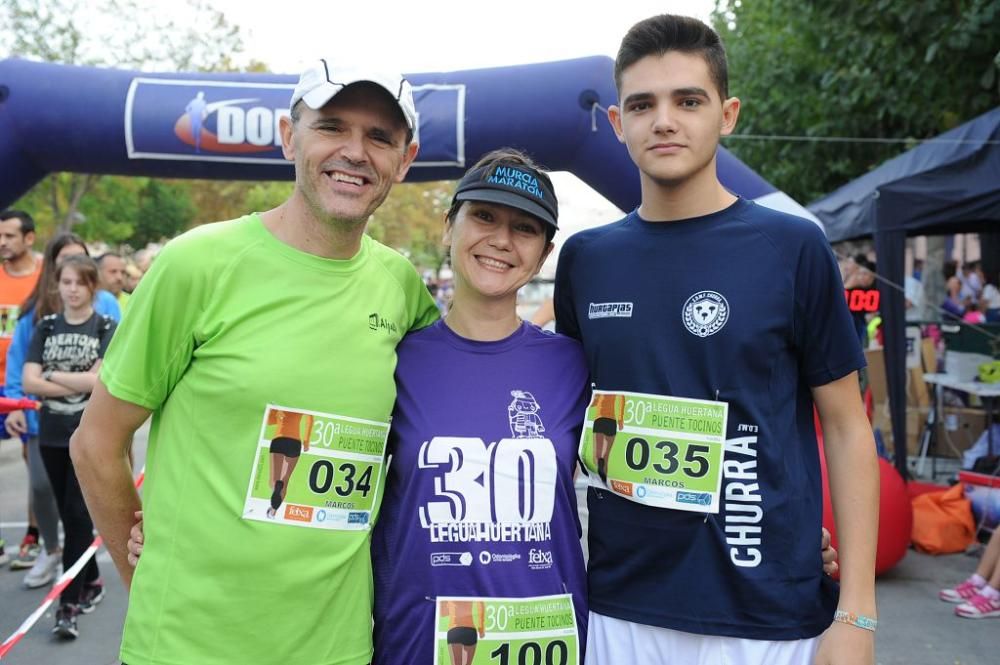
(856, 620)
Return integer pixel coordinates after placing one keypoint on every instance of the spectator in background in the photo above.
(991, 298)
(132, 277)
(848, 268)
(17, 278)
(112, 267)
(43, 301)
(918, 269)
(976, 313)
(914, 294)
(63, 360)
(953, 306)
(978, 597)
(971, 286)
(144, 259)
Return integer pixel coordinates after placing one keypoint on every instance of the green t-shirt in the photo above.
(228, 324)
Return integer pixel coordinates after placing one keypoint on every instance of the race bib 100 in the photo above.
(506, 631)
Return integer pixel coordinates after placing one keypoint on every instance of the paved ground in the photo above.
(100, 631)
(914, 627)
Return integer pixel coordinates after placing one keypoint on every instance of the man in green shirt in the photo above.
(264, 341)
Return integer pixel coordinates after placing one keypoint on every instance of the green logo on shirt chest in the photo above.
(377, 322)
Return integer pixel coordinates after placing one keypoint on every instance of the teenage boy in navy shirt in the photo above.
(701, 294)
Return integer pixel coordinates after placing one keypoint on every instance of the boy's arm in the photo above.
(99, 449)
(852, 468)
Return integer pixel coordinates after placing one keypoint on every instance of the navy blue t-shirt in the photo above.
(744, 306)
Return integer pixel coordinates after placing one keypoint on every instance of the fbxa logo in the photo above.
(539, 556)
(622, 487)
(298, 513)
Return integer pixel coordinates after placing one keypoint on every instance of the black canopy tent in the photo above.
(948, 185)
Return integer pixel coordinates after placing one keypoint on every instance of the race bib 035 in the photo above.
(656, 450)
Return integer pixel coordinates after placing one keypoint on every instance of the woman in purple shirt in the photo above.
(480, 508)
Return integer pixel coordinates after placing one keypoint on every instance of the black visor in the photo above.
(513, 185)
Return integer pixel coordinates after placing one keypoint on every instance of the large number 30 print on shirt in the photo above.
(512, 480)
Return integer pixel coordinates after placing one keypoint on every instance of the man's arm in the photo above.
(99, 449)
(852, 468)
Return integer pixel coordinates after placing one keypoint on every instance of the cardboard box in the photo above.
(876, 375)
(918, 393)
(958, 429)
(915, 421)
(955, 433)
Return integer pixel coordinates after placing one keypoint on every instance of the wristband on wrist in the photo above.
(856, 620)
(47, 375)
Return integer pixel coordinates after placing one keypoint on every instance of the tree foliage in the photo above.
(192, 37)
(412, 221)
(883, 69)
(116, 209)
(136, 34)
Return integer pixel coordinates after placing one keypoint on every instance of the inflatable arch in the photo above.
(196, 125)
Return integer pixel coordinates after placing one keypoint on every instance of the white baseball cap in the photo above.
(321, 81)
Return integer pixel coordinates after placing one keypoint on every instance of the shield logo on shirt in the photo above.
(705, 313)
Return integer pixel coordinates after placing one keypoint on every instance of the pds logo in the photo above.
(451, 559)
(696, 498)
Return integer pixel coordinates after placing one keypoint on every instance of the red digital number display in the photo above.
(862, 300)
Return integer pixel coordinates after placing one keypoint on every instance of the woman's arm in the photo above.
(77, 382)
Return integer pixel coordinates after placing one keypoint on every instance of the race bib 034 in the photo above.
(316, 470)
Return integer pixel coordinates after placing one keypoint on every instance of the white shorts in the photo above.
(617, 642)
